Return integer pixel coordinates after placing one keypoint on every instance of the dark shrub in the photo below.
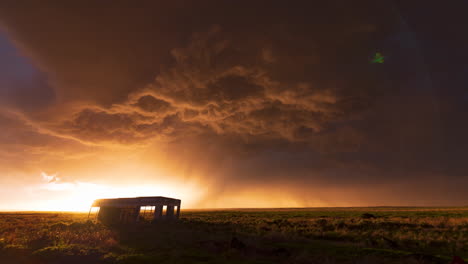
(368, 216)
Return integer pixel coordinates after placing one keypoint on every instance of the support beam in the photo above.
(97, 214)
(170, 212)
(137, 214)
(158, 210)
(178, 211)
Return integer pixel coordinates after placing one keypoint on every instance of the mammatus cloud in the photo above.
(196, 97)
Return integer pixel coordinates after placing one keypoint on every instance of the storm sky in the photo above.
(233, 103)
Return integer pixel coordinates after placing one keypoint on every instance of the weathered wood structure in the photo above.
(129, 210)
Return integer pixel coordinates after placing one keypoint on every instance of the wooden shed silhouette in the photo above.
(131, 210)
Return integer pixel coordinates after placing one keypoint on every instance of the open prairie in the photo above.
(319, 235)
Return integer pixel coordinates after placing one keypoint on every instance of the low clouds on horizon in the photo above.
(249, 95)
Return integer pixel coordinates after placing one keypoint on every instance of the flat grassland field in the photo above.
(311, 235)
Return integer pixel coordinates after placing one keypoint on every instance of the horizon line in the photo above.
(255, 208)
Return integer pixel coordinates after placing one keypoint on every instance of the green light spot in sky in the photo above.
(378, 58)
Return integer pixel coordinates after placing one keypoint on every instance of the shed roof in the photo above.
(136, 201)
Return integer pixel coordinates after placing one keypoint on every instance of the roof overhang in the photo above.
(136, 201)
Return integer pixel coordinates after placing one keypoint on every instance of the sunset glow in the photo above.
(78, 196)
(228, 104)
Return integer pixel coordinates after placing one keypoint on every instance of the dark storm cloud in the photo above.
(266, 90)
(150, 104)
(236, 99)
(21, 83)
(103, 50)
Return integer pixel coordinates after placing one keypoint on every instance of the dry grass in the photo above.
(325, 235)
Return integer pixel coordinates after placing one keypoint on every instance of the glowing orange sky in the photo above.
(223, 105)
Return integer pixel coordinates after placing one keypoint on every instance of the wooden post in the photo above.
(158, 212)
(137, 213)
(178, 211)
(170, 212)
(97, 214)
